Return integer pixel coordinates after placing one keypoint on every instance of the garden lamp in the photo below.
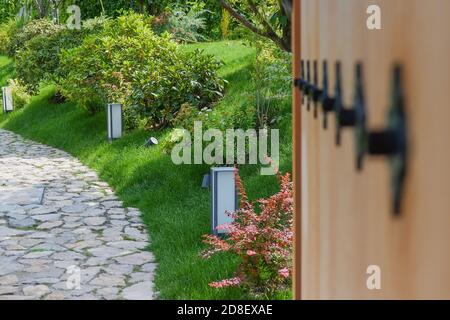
(8, 104)
(114, 121)
(224, 197)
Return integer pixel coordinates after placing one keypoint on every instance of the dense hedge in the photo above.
(8, 31)
(114, 60)
(128, 63)
(93, 8)
(38, 59)
(21, 35)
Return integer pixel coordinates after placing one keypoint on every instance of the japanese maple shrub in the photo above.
(261, 237)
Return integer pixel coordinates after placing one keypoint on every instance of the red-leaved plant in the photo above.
(261, 236)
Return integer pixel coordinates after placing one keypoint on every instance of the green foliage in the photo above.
(6, 70)
(234, 110)
(266, 18)
(186, 26)
(184, 120)
(128, 63)
(39, 59)
(8, 9)
(272, 78)
(7, 30)
(19, 37)
(20, 94)
(170, 197)
(95, 8)
(211, 13)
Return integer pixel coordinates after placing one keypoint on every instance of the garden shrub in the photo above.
(272, 78)
(261, 239)
(184, 120)
(7, 10)
(186, 25)
(7, 31)
(20, 94)
(211, 13)
(39, 59)
(129, 64)
(34, 28)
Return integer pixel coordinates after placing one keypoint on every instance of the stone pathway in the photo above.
(63, 232)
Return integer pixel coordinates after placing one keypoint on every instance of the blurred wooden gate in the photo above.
(348, 221)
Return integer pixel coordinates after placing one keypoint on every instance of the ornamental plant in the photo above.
(261, 238)
(18, 38)
(20, 93)
(149, 74)
(38, 60)
(8, 30)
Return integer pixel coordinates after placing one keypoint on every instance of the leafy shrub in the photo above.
(30, 30)
(19, 93)
(186, 26)
(7, 10)
(262, 240)
(39, 59)
(272, 78)
(128, 63)
(184, 120)
(186, 116)
(7, 30)
(211, 8)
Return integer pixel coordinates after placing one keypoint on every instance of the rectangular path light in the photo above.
(114, 121)
(224, 197)
(8, 104)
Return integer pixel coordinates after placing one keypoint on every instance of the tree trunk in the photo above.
(283, 42)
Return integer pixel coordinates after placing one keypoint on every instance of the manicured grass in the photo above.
(6, 70)
(175, 207)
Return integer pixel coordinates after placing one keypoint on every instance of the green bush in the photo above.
(7, 31)
(211, 13)
(19, 37)
(19, 93)
(272, 78)
(186, 25)
(184, 120)
(128, 63)
(39, 60)
(7, 10)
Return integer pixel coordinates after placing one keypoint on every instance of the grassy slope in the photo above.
(6, 70)
(174, 206)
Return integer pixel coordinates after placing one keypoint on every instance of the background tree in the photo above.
(266, 18)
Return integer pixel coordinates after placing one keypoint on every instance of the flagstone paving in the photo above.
(63, 232)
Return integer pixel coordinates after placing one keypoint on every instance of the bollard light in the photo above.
(8, 104)
(224, 197)
(114, 121)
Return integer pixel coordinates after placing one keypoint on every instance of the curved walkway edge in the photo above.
(63, 232)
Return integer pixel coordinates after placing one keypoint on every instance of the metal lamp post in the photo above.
(224, 197)
(114, 121)
(8, 104)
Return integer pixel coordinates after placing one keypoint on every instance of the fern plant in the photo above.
(186, 27)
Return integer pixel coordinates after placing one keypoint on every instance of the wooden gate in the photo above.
(378, 195)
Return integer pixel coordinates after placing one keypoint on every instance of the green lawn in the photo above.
(175, 207)
(6, 70)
